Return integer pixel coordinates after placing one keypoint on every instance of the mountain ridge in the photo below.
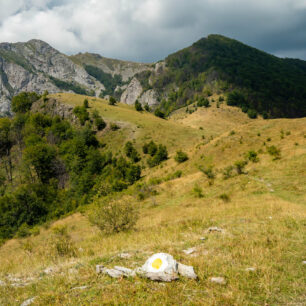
(268, 85)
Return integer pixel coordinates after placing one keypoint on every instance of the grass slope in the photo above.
(263, 220)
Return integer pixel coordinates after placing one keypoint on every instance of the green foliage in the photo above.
(115, 216)
(59, 168)
(198, 191)
(114, 126)
(159, 113)
(61, 243)
(224, 197)
(85, 103)
(131, 152)
(180, 157)
(82, 114)
(110, 82)
(98, 121)
(147, 107)
(150, 148)
(22, 102)
(240, 165)
(112, 101)
(160, 155)
(274, 151)
(70, 86)
(208, 171)
(203, 102)
(252, 156)
(252, 113)
(228, 172)
(138, 106)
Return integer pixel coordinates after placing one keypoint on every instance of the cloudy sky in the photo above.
(148, 30)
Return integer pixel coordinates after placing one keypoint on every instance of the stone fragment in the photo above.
(186, 271)
(28, 302)
(126, 272)
(215, 229)
(250, 269)
(190, 251)
(2, 283)
(80, 288)
(304, 262)
(218, 280)
(203, 238)
(125, 255)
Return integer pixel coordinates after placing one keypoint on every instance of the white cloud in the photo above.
(151, 29)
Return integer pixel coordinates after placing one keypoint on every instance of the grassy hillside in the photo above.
(262, 212)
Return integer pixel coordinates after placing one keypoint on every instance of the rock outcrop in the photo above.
(132, 93)
(33, 66)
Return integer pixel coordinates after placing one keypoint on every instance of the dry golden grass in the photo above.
(264, 221)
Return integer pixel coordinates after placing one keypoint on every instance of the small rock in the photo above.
(18, 285)
(28, 302)
(126, 272)
(270, 218)
(2, 283)
(271, 190)
(80, 288)
(218, 280)
(304, 262)
(186, 271)
(81, 250)
(250, 269)
(189, 251)
(50, 270)
(215, 229)
(203, 238)
(125, 255)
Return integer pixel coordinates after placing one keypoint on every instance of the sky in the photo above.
(149, 30)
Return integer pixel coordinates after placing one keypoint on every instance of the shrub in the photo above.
(228, 172)
(160, 155)
(112, 101)
(147, 107)
(180, 157)
(252, 156)
(62, 243)
(115, 216)
(98, 121)
(240, 165)
(252, 113)
(208, 171)
(274, 151)
(22, 102)
(150, 148)
(159, 113)
(221, 99)
(85, 103)
(203, 102)
(198, 191)
(114, 127)
(224, 197)
(138, 106)
(236, 98)
(131, 152)
(81, 113)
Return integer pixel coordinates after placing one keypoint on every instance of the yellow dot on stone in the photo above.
(156, 264)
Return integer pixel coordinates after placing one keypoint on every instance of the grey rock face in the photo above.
(29, 66)
(149, 97)
(133, 91)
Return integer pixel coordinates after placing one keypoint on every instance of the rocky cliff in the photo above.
(36, 66)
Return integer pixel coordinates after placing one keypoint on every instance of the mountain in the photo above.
(36, 66)
(253, 80)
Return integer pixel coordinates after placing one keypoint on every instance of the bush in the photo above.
(228, 172)
(221, 99)
(203, 102)
(160, 155)
(159, 113)
(85, 103)
(240, 165)
(224, 197)
(131, 152)
(112, 101)
(198, 191)
(274, 151)
(138, 106)
(150, 148)
(98, 121)
(252, 113)
(236, 98)
(252, 156)
(147, 107)
(180, 157)
(81, 113)
(115, 216)
(22, 102)
(114, 127)
(62, 243)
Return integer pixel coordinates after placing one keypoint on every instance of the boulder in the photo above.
(186, 271)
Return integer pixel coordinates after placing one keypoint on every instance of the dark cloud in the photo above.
(148, 30)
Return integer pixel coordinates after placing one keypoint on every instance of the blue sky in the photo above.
(149, 30)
